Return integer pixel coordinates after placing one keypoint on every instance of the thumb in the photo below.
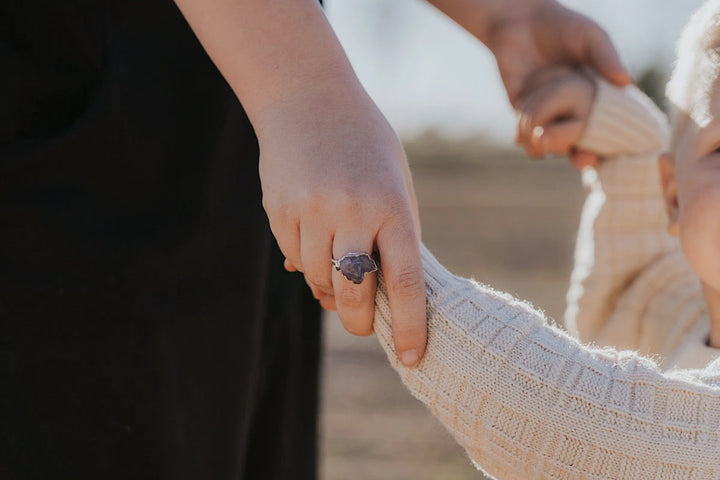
(605, 59)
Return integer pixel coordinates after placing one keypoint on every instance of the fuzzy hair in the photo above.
(697, 70)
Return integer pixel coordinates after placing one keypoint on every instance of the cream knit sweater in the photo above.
(529, 401)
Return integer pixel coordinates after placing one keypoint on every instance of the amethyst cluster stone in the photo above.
(354, 266)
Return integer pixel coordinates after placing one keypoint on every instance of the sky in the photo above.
(427, 73)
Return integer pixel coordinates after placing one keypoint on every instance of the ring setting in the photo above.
(354, 266)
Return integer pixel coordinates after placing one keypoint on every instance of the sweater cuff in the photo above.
(623, 121)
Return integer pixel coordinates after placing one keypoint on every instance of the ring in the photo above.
(355, 265)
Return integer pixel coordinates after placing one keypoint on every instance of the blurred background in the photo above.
(487, 211)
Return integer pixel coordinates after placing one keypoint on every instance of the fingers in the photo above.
(316, 254)
(557, 139)
(605, 59)
(553, 117)
(403, 273)
(526, 124)
(536, 122)
(326, 301)
(355, 303)
(287, 264)
(287, 235)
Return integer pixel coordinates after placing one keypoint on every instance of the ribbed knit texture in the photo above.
(529, 401)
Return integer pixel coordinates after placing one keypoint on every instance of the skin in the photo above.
(528, 36)
(334, 175)
(552, 119)
(553, 114)
(691, 187)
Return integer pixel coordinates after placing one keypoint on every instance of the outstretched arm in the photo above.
(526, 400)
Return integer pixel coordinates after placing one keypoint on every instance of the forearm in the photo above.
(271, 52)
(481, 17)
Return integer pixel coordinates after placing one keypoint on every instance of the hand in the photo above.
(554, 111)
(525, 40)
(334, 175)
(335, 180)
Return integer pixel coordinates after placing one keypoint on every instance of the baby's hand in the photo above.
(553, 113)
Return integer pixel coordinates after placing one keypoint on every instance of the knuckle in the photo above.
(408, 284)
(350, 297)
(347, 200)
(410, 338)
(314, 204)
(397, 203)
(318, 203)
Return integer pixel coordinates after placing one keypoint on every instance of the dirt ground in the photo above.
(502, 219)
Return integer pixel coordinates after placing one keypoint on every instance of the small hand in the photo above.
(554, 111)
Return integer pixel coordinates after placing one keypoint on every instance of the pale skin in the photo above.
(691, 186)
(552, 120)
(334, 175)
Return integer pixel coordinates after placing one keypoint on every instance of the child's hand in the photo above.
(553, 113)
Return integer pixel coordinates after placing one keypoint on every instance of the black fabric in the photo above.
(148, 327)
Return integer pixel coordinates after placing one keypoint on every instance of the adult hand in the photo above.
(536, 34)
(335, 180)
(334, 175)
(527, 36)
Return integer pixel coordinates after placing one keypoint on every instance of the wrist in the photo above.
(503, 20)
(325, 104)
(301, 89)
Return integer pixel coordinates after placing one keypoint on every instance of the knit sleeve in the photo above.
(526, 400)
(623, 121)
(623, 224)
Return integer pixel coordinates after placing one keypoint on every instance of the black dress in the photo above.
(148, 327)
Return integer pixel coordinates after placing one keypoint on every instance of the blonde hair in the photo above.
(696, 70)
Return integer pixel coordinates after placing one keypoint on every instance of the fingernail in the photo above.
(409, 358)
(538, 133)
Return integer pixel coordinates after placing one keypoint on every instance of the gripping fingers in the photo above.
(288, 265)
(316, 253)
(326, 301)
(560, 138)
(556, 122)
(405, 281)
(287, 234)
(355, 302)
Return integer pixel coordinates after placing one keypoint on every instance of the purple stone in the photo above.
(354, 266)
